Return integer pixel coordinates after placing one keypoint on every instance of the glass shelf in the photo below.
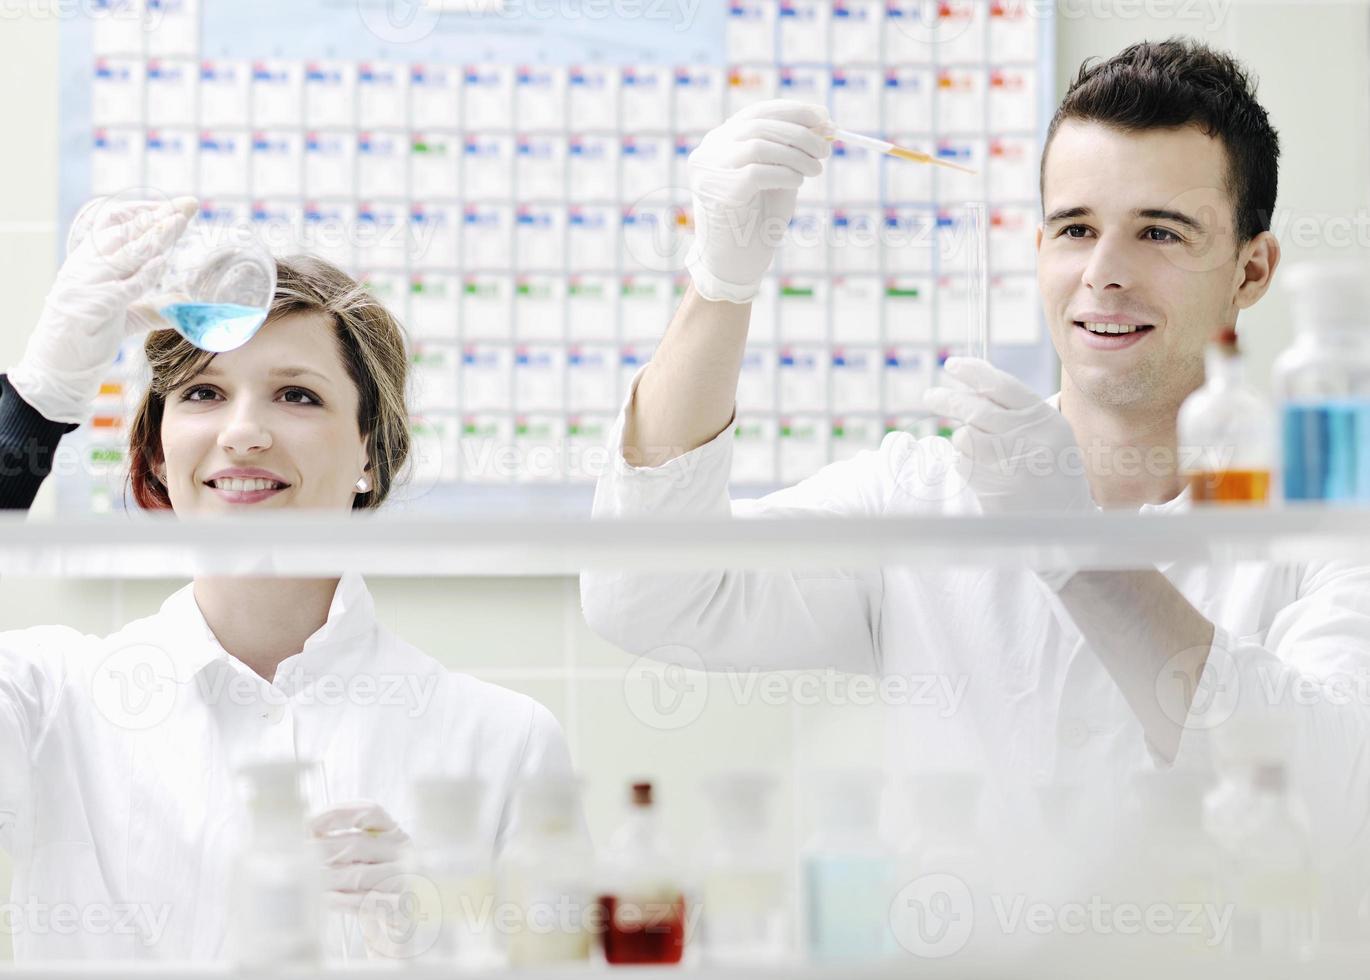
(401, 545)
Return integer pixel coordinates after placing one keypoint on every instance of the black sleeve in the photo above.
(27, 445)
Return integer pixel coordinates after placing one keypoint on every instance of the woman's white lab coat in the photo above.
(118, 800)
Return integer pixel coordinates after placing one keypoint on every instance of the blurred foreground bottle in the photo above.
(1322, 383)
(1226, 432)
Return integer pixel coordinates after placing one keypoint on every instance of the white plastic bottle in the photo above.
(1322, 383)
(1174, 865)
(746, 889)
(277, 888)
(544, 879)
(456, 866)
(944, 853)
(1268, 873)
(1226, 432)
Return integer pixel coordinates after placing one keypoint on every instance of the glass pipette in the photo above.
(891, 149)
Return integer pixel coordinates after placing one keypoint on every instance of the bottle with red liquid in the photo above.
(1226, 432)
(643, 903)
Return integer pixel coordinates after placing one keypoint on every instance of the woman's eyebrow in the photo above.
(280, 372)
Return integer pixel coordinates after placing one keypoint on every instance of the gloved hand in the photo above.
(744, 177)
(366, 857)
(86, 315)
(1014, 450)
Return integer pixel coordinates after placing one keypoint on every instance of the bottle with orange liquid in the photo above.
(1226, 432)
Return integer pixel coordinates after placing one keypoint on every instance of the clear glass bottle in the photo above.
(643, 898)
(544, 878)
(1268, 875)
(277, 888)
(944, 847)
(1322, 385)
(452, 857)
(1171, 862)
(1226, 432)
(848, 871)
(746, 894)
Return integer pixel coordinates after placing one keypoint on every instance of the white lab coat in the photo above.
(118, 799)
(1039, 711)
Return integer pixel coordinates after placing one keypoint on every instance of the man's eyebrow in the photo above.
(1065, 214)
(1155, 214)
(280, 372)
(1164, 214)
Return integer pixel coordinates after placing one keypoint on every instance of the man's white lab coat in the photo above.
(1040, 710)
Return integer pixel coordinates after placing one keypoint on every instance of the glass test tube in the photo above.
(977, 281)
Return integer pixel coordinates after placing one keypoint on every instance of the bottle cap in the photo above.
(1330, 294)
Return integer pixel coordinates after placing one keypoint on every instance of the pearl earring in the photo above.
(363, 485)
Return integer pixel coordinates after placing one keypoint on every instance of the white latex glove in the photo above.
(86, 314)
(1014, 450)
(366, 858)
(744, 177)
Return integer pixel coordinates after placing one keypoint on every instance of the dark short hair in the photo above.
(1176, 83)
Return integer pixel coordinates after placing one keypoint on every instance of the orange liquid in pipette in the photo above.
(1230, 487)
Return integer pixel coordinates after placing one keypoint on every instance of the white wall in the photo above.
(1311, 58)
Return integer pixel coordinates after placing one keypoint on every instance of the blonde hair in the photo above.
(372, 344)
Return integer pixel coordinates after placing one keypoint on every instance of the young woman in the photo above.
(118, 754)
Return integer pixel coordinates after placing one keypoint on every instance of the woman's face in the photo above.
(272, 424)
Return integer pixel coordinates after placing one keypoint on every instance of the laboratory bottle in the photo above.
(942, 850)
(1322, 385)
(277, 883)
(745, 895)
(1226, 432)
(544, 878)
(1268, 877)
(454, 865)
(642, 897)
(1171, 862)
(849, 871)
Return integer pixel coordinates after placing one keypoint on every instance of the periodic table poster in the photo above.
(509, 177)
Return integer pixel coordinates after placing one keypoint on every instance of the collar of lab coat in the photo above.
(1176, 504)
(351, 615)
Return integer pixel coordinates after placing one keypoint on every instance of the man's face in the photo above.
(1139, 231)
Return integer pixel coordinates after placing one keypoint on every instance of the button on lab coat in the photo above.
(1039, 710)
(118, 799)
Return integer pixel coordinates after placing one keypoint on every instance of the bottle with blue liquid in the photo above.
(1322, 383)
(849, 872)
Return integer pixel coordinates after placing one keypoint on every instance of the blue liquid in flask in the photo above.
(1327, 451)
(215, 327)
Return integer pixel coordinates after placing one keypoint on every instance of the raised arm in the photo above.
(84, 320)
(744, 177)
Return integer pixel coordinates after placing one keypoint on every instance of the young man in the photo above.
(1158, 183)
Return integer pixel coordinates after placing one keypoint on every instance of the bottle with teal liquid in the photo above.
(1322, 384)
